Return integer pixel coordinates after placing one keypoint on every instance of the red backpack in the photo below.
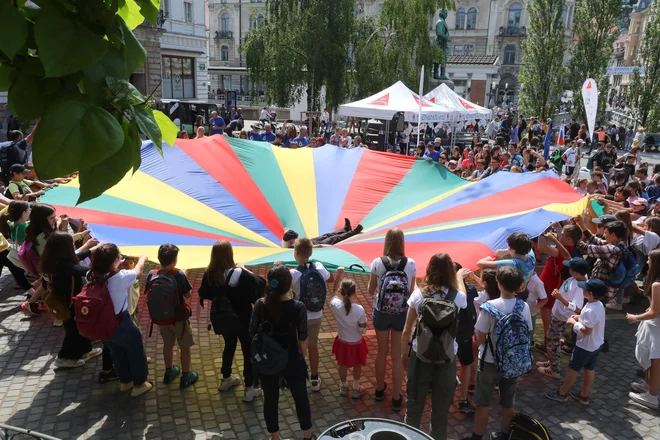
(95, 313)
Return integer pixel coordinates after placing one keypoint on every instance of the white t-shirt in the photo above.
(347, 325)
(118, 287)
(536, 291)
(417, 297)
(295, 274)
(486, 323)
(651, 241)
(592, 316)
(378, 269)
(571, 156)
(481, 298)
(573, 294)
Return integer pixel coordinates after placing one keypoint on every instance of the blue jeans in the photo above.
(128, 353)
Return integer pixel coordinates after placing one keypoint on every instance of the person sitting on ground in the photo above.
(325, 240)
(180, 331)
(19, 187)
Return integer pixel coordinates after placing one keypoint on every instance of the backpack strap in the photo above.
(387, 263)
(228, 277)
(519, 307)
(493, 311)
(451, 294)
(402, 264)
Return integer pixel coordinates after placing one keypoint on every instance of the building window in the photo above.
(253, 22)
(471, 21)
(515, 11)
(460, 19)
(463, 49)
(260, 18)
(166, 6)
(187, 12)
(509, 54)
(564, 16)
(224, 53)
(178, 77)
(224, 23)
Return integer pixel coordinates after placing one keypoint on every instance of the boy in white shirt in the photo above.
(590, 329)
(509, 281)
(302, 252)
(569, 301)
(536, 299)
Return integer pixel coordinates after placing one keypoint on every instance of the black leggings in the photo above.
(332, 238)
(231, 341)
(74, 346)
(16, 272)
(298, 386)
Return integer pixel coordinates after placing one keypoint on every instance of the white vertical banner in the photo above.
(419, 119)
(590, 99)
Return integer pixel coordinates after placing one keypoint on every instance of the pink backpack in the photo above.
(95, 313)
(29, 257)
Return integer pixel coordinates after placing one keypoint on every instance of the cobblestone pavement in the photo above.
(71, 404)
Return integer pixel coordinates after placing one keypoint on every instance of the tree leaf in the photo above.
(5, 77)
(130, 12)
(144, 117)
(96, 179)
(14, 29)
(123, 90)
(132, 137)
(65, 46)
(167, 128)
(94, 81)
(149, 9)
(73, 135)
(135, 55)
(25, 98)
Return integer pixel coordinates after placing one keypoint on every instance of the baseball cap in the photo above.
(320, 139)
(640, 202)
(577, 264)
(604, 219)
(580, 141)
(438, 140)
(430, 144)
(597, 287)
(453, 162)
(290, 235)
(17, 168)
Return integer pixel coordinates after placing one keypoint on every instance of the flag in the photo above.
(546, 142)
(560, 137)
(421, 94)
(590, 100)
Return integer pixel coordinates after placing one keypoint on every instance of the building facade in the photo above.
(184, 50)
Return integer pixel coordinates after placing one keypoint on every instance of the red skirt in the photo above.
(350, 354)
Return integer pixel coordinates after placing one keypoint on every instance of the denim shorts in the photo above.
(487, 378)
(384, 322)
(582, 358)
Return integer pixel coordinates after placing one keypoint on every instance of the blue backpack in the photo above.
(512, 351)
(312, 288)
(626, 270)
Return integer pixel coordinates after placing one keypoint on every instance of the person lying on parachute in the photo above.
(325, 240)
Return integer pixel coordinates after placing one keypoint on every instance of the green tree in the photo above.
(644, 89)
(67, 63)
(594, 32)
(395, 46)
(302, 46)
(543, 73)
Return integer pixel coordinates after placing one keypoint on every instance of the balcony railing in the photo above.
(224, 35)
(513, 31)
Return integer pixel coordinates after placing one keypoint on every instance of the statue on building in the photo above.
(442, 39)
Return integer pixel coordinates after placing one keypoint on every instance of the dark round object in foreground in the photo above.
(373, 429)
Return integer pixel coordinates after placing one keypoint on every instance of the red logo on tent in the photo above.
(465, 104)
(432, 100)
(383, 100)
(424, 103)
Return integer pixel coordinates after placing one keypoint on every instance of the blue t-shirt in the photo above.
(268, 137)
(217, 124)
(526, 267)
(255, 136)
(517, 160)
(434, 156)
(302, 141)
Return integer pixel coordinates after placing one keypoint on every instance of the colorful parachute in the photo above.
(247, 192)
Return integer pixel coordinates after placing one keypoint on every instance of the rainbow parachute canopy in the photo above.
(247, 192)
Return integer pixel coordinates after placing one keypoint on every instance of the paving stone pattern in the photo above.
(71, 404)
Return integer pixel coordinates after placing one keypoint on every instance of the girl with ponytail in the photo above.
(349, 348)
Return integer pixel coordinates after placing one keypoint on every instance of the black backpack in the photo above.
(467, 317)
(524, 427)
(8, 156)
(269, 357)
(223, 316)
(313, 289)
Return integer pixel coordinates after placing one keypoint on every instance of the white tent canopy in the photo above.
(461, 109)
(394, 99)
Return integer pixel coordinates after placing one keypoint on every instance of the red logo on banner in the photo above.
(383, 100)
(589, 85)
(465, 104)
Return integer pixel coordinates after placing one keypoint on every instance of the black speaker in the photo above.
(397, 122)
(373, 429)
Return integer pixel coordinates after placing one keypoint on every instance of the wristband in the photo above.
(572, 307)
(577, 327)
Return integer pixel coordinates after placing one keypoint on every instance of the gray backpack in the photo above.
(437, 326)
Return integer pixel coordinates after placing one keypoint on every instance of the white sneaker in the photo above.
(613, 305)
(645, 399)
(58, 323)
(94, 352)
(547, 371)
(229, 382)
(251, 393)
(545, 364)
(69, 363)
(626, 299)
(639, 387)
(316, 384)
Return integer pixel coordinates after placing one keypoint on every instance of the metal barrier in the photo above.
(8, 432)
